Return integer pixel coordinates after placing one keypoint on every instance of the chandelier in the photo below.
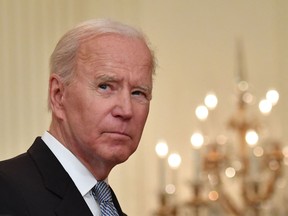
(253, 164)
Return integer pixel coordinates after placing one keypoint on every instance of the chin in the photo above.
(122, 157)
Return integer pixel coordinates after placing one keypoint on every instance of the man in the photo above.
(100, 88)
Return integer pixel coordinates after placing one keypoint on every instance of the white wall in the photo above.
(195, 45)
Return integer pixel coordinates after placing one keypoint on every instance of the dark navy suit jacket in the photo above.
(36, 184)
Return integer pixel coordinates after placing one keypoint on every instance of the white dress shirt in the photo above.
(81, 176)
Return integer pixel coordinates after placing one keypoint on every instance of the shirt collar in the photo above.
(81, 176)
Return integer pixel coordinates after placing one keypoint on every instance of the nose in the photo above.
(123, 106)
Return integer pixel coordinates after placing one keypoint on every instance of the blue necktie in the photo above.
(102, 194)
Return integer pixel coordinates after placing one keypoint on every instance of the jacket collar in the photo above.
(57, 181)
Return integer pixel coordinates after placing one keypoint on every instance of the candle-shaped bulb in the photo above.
(201, 112)
(273, 96)
(265, 106)
(211, 101)
(161, 149)
(197, 140)
(251, 137)
(174, 160)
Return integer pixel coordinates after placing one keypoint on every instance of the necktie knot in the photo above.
(102, 192)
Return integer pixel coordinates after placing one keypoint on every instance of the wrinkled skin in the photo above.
(100, 115)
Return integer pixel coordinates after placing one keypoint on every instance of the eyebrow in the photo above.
(107, 78)
(111, 78)
(146, 88)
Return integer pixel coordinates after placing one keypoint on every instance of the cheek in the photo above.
(145, 114)
(141, 121)
(78, 101)
(77, 111)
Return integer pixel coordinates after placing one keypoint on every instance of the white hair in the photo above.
(63, 58)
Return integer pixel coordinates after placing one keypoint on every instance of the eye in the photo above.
(139, 93)
(105, 89)
(103, 86)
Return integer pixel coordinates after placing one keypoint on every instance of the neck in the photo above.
(99, 169)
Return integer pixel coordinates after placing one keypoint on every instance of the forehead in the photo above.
(121, 49)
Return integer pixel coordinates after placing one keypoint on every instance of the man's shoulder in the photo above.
(20, 165)
(22, 185)
(12, 164)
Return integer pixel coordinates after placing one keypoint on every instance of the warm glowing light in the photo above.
(243, 86)
(272, 96)
(174, 160)
(247, 97)
(230, 172)
(274, 165)
(211, 101)
(258, 151)
(161, 149)
(197, 140)
(213, 195)
(237, 165)
(170, 189)
(201, 112)
(251, 137)
(265, 106)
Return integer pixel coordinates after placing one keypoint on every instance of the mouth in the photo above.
(117, 134)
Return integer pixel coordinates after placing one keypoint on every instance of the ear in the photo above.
(56, 91)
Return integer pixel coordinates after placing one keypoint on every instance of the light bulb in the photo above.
(197, 140)
(211, 101)
(202, 112)
(272, 96)
(174, 160)
(161, 149)
(251, 137)
(265, 106)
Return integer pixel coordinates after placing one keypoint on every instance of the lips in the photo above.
(117, 134)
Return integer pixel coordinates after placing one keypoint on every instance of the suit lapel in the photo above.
(58, 182)
(73, 204)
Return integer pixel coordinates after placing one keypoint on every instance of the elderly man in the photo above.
(100, 89)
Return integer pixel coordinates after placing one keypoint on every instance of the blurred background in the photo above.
(230, 49)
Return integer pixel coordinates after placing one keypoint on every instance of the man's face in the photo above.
(106, 105)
